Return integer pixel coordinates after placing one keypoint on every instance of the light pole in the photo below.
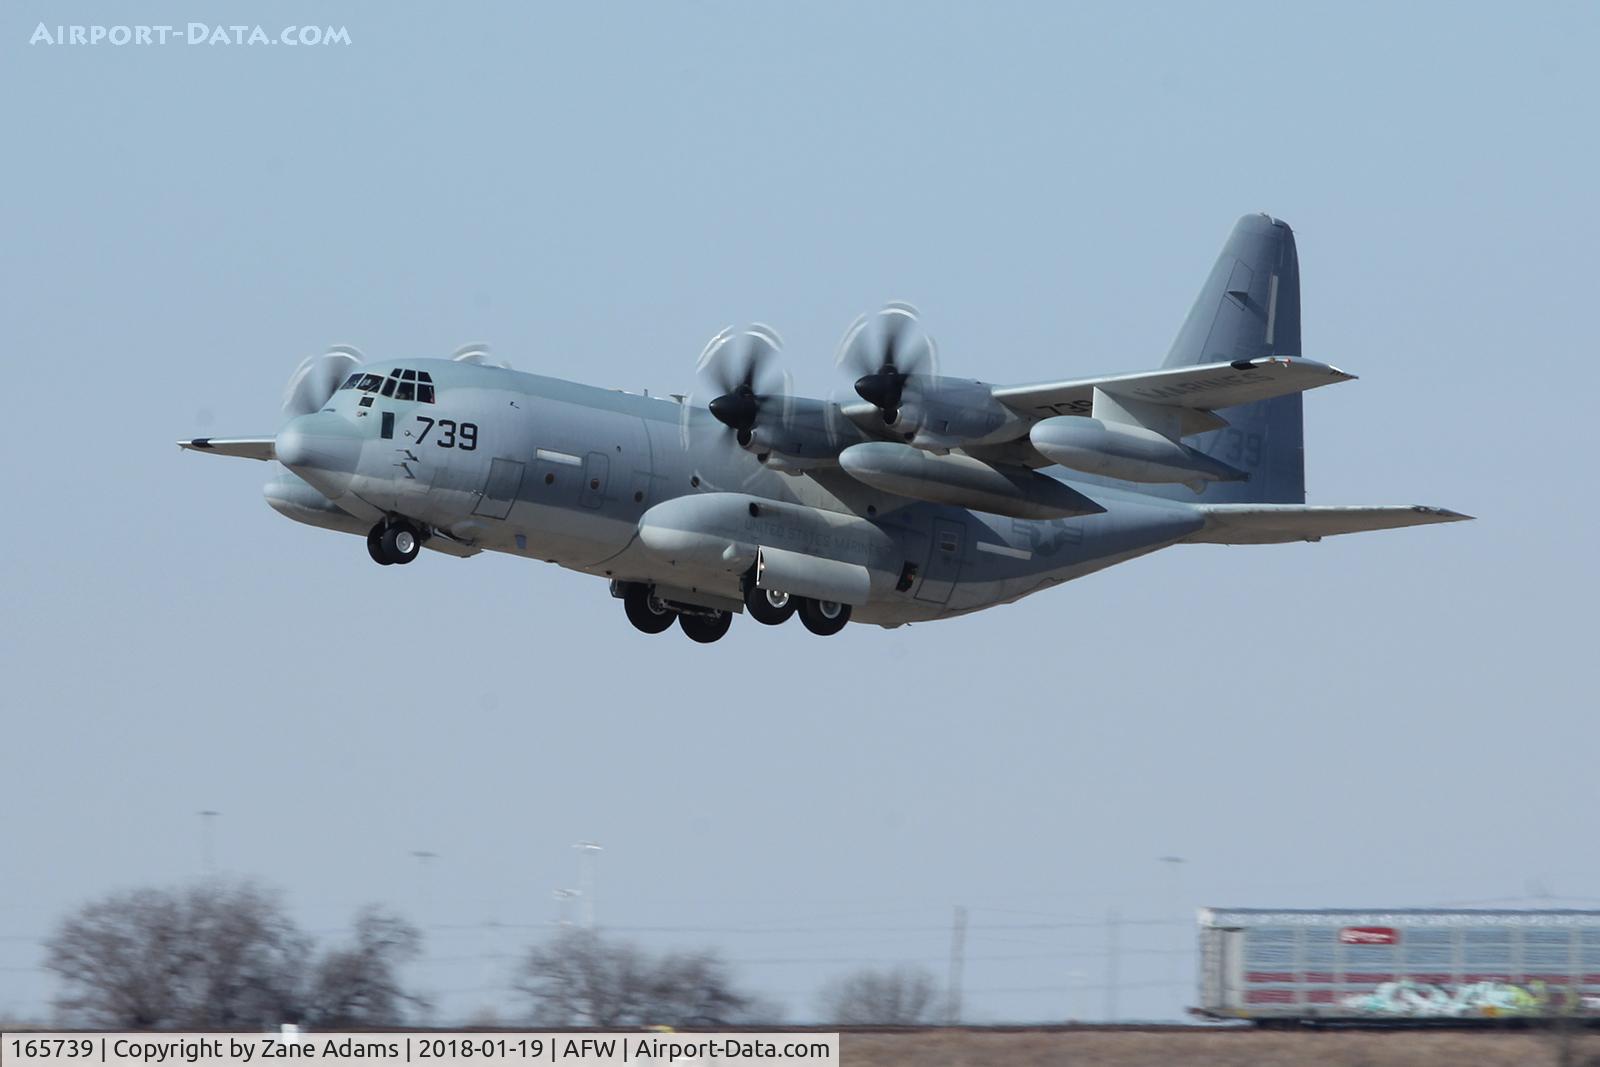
(586, 878)
(563, 899)
(208, 859)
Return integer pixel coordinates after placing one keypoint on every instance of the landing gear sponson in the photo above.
(652, 614)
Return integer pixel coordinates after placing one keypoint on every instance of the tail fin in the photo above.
(1250, 307)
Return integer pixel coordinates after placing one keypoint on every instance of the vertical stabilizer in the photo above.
(1250, 307)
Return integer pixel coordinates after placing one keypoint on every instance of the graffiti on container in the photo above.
(1477, 999)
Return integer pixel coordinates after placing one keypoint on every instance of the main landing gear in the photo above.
(651, 614)
(394, 542)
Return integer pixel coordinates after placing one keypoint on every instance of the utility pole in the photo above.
(208, 858)
(1113, 952)
(586, 878)
(958, 962)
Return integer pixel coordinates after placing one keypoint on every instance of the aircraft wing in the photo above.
(1271, 524)
(243, 447)
(1204, 386)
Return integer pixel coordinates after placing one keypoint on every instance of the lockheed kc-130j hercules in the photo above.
(924, 496)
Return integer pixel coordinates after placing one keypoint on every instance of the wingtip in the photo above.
(1444, 514)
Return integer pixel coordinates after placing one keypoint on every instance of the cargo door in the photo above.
(593, 493)
(499, 489)
(943, 568)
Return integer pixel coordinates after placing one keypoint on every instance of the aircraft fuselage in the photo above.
(649, 490)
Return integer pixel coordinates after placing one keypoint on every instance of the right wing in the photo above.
(1276, 524)
(243, 447)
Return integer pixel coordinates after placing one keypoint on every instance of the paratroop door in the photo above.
(500, 489)
(944, 562)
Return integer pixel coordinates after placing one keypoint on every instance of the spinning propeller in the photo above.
(891, 353)
(742, 369)
(316, 378)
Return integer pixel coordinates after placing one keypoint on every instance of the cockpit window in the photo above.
(401, 384)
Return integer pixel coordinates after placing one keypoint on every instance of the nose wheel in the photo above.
(394, 542)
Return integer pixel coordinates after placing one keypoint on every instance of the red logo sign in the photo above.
(1369, 935)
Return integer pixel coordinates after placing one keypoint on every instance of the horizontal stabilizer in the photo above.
(1271, 524)
(243, 447)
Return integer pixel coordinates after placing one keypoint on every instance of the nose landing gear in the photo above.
(393, 542)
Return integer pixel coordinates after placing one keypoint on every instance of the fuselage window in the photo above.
(406, 390)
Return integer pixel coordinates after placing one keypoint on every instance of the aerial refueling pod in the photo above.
(1121, 450)
(963, 481)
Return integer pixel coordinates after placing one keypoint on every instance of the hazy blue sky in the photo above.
(1393, 718)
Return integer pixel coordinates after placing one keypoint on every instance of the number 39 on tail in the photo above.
(917, 496)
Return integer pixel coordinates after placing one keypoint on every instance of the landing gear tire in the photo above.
(399, 543)
(706, 628)
(646, 611)
(823, 617)
(768, 606)
(375, 547)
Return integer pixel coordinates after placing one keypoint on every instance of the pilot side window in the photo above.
(369, 383)
(388, 386)
(350, 382)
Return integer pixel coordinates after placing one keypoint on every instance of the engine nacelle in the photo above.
(944, 413)
(804, 433)
(1132, 453)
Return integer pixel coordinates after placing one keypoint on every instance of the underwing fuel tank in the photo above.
(1132, 453)
(963, 481)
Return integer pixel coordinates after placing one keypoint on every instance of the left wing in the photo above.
(243, 447)
(1205, 386)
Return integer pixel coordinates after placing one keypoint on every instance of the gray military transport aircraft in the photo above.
(928, 497)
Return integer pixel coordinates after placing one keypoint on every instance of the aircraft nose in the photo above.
(321, 448)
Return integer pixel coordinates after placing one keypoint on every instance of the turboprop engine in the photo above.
(1120, 450)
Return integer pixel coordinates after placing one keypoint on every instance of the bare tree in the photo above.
(580, 979)
(223, 956)
(213, 956)
(359, 986)
(898, 996)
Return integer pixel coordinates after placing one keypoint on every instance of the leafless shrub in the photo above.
(898, 996)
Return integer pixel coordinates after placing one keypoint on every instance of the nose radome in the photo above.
(322, 449)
